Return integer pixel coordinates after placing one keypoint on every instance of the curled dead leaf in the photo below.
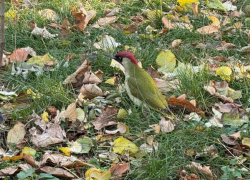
(106, 118)
(90, 91)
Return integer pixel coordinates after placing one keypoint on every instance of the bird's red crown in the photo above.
(128, 55)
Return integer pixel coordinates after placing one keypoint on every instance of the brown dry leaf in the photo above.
(119, 169)
(82, 18)
(176, 43)
(137, 19)
(31, 160)
(245, 49)
(62, 160)
(105, 21)
(235, 135)
(59, 172)
(121, 127)
(185, 104)
(8, 171)
(152, 72)
(52, 134)
(90, 77)
(16, 134)
(166, 86)
(18, 55)
(228, 140)
(106, 118)
(99, 74)
(205, 170)
(166, 125)
(90, 91)
(167, 23)
(70, 112)
(76, 79)
(210, 29)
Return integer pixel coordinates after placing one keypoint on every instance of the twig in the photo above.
(232, 155)
(2, 31)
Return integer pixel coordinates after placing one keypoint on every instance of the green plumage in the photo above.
(140, 86)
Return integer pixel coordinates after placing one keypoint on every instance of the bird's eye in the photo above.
(118, 58)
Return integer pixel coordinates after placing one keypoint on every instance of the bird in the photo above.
(140, 86)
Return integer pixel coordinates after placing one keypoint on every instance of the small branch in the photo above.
(2, 31)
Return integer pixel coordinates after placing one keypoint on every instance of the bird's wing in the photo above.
(145, 89)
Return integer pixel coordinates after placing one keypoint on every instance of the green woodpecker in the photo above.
(139, 84)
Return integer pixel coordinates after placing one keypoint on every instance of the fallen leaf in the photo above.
(106, 43)
(167, 23)
(122, 113)
(59, 159)
(52, 134)
(43, 32)
(76, 79)
(176, 43)
(45, 116)
(185, 104)
(94, 173)
(216, 21)
(210, 29)
(106, 118)
(235, 136)
(105, 21)
(119, 169)
(166, 125)
(216, 4)
(121, 145)
(41, 60)
(121, 127)
(205, 170)
(29, 151)
(70, 112)
(215, 120)
(246, 141)
(90, 91)
(82, 18)
(18, 55)
(245, 49)
(228, 140)
(59, 172)
(166, 61)
(90, 77)
(16, 134)
(8, 171)
(48, 14)
(65, 150)
(224, 72)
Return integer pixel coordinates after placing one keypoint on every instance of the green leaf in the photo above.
(47, 176)
(216, 4)
(25, 174)
(86, 144)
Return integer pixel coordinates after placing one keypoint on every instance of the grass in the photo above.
(171, 155)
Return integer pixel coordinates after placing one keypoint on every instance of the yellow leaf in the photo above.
(10, 15)
(45, 116)
(34, 95)
(215, 20)
(246, 141)
(122, 113)
(186, 3)
(121, 145)
(166, 61)
(224, 72)
(111, 81)
(65, 150)
(29, 151)
(41, 60)
(97, 174)
(153, 15)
